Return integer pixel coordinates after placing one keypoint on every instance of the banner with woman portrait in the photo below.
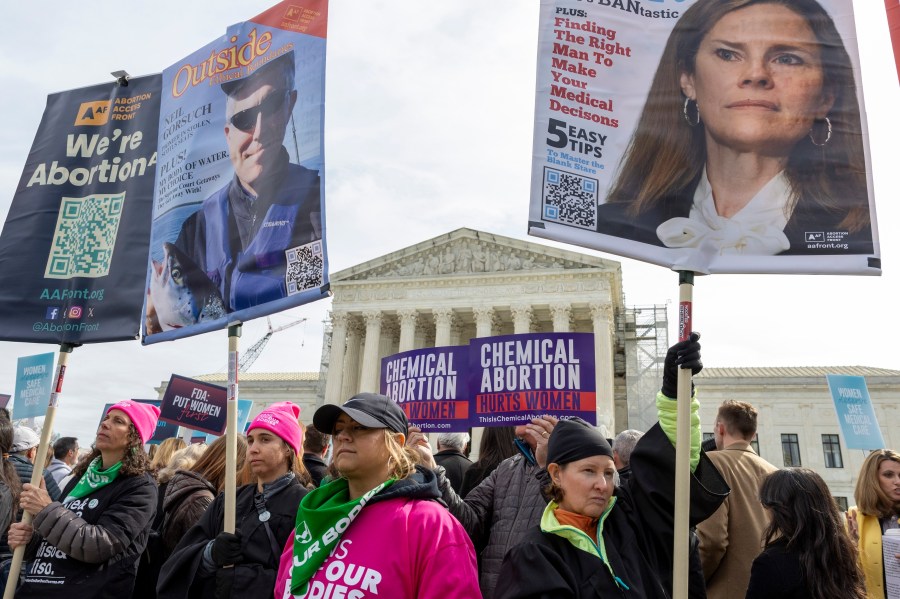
(705, 135)
(238, 227)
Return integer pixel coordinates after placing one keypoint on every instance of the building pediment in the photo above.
(469, 252)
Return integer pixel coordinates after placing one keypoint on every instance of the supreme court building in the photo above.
(465, 284)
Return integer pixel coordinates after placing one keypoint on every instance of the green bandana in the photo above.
(94, 479)
(323, 516)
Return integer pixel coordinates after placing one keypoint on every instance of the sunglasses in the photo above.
(245, 120)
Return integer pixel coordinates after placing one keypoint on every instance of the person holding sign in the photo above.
(376, 531)
(808, 553)
(598, 540)
(750, 137)
(89, 544)
(209, 562)
(877, 510)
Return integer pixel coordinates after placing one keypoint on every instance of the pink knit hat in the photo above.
(281, 419)
(143, 416)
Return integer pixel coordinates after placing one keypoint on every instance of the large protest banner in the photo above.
(238, 213)
(515, 378)
(644, 130)
(34, 379)
(74, 247)
(194, 404)
(855, 413)
(431, 385)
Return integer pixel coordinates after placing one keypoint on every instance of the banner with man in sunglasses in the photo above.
(238, 213)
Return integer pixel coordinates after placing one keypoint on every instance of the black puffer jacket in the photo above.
(187, 497)
(183, 576)
(502, 509)
(90, 546)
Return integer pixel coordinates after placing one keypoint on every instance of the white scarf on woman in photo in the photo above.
(757, 229)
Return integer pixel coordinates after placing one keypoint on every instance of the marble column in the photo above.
(389, 333)
(484, 320)
(336, 357)
(443, 321)
(407, 329)
(562, 316)
(521, 314)
(602, 316)
(350, 382)
(368, 376)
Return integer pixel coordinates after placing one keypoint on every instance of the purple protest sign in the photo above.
(4, 399)
(194, 404)
(514, 378)
(430, 385)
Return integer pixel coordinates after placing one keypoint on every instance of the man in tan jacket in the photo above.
(731, 538)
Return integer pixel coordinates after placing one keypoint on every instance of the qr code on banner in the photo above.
(85, 236)
(570, 199)
(305, 267)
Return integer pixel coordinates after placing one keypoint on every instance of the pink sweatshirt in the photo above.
(395, 549)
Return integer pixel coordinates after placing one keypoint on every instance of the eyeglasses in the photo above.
(245, 120)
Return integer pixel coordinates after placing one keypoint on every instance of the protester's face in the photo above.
(758, 80)
(255, 131)
(266, 454)
(113, 432)
(358, 450)
(587, 485)
(889, 479)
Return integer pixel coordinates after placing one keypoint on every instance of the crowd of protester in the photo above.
(359, 505)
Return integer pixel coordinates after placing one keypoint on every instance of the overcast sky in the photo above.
(428, 128)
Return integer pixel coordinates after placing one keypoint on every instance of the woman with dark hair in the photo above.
(209, 562)
(750, 136)
(497, 444)
(376, 531)
(808, 553)
(88, 545)
(10, 485)
(876, 512)
(193, 489)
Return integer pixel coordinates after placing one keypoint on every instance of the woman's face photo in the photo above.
(587, 485)
(889, 479)
(265, 453)
(758, 80)
(358, 450)
(113, 432)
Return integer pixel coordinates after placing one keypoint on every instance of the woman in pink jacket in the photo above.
(377, 531)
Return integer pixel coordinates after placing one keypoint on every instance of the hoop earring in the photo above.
(684, 112)
(827, 133)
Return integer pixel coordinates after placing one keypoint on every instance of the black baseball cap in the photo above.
(369, 409)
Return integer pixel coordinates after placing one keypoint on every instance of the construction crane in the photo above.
(256, 349)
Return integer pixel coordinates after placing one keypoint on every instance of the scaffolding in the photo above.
(645, 333)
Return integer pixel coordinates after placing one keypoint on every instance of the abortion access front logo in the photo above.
(93, 113)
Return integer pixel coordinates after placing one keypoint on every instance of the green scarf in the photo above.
(94, 479)
(323, 516)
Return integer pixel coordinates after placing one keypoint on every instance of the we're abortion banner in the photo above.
(644, 130)
(74, 247)
(494, 381)
(431, 386)
(238, 224)
(34, 378)
(194, 404)
(855, 413)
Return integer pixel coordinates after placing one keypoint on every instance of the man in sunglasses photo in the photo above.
(241, 236)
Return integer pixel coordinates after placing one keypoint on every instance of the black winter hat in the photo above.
(574, 440)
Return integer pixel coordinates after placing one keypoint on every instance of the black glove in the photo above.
(684, 354)
(226, 549)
